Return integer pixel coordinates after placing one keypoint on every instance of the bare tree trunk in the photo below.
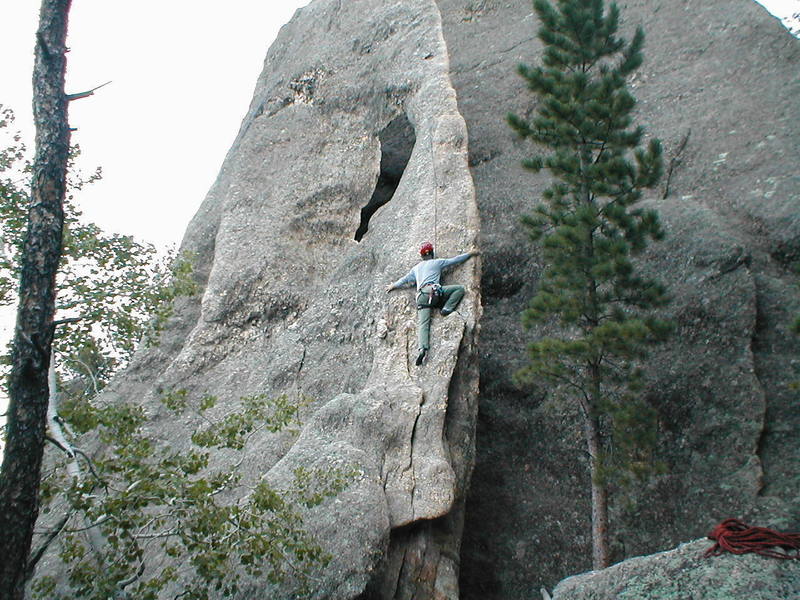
(28, 386)
(54, 424)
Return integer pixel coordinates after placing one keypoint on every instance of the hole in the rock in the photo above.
(397, 141)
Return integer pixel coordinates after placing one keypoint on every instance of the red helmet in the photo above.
(425, 249)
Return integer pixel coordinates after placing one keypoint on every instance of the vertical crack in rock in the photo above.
(675, 161)
(758, 328)
(411, 449)
(401, 576)
(774, 349)
(416, 566)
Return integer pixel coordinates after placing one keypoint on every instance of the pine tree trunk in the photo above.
(28, 386)
(601, 556)
(600, 551)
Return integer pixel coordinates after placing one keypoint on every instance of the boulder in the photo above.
(684, 574)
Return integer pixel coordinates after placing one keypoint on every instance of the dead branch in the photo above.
(66, 321)
(86, 94)
(37, 555)
(675, 162)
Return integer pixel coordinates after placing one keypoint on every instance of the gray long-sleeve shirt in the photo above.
(430, 271)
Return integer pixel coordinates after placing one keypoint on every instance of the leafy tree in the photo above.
(140, 502)
(136, 494)
(113, 291)
(590, 228)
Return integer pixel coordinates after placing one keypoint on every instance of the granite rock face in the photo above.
(353, 134)
(683, 574)
(378, 125)
(720, 86)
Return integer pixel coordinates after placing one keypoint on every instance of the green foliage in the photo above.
(235, 428)
(590, 229)
(112, 290)
(116, 516)
(13, 194)
(145, 499)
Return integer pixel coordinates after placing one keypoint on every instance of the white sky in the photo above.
(783, 9)
(182, 73)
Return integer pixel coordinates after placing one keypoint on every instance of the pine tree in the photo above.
(590, 228)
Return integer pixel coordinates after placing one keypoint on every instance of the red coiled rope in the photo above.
(738, 538)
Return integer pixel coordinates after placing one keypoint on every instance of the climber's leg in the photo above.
(452, 296)
(423, 328)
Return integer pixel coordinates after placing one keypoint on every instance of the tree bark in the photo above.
(28, 386)
(601, 556)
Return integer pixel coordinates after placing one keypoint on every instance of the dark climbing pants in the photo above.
(451, 296)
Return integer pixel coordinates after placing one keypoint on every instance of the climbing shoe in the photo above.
(446, 312)
(421, 357)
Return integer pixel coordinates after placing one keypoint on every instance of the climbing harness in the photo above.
(736, 537)
(435, 296)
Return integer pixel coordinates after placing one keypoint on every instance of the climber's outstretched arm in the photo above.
(457, 260)
(403, 281)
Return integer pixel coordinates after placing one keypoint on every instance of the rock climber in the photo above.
(430, 293)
